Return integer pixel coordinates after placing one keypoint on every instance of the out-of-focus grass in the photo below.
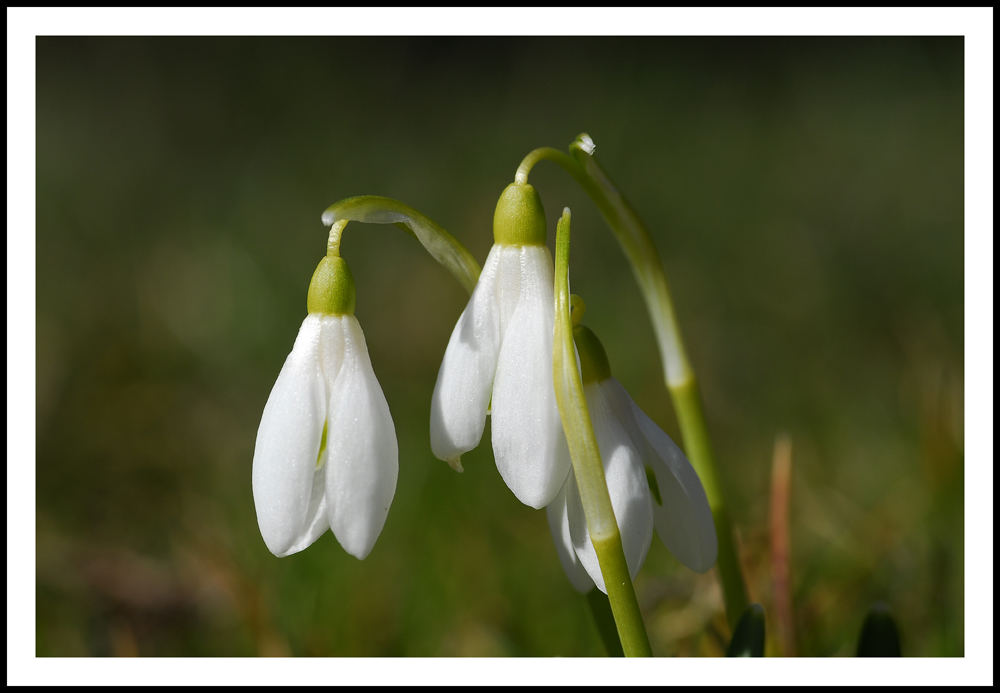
(806, 196)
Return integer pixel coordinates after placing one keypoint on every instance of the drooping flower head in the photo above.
(326, 455)
(650, 481)
(499, 359)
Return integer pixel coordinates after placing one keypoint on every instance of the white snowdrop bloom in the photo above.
(636, 453)
(499, 360)
(326, 455)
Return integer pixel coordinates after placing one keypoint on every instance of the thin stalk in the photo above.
(687, 403)
(540, 154)
(678, 374)
(333, 240)
(441, 245)
(587, 466)
(781, 581)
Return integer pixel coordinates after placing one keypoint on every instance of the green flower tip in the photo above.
(331, 290)
(594, 366)
(519, 218)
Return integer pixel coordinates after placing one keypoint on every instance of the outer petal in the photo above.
(684, 519)
(462, 391)
(526, 427)
(362, 460)
(331, 357)
(558, 516)
(630, 497)
(285, 477)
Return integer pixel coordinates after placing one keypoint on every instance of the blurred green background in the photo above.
(806, 196)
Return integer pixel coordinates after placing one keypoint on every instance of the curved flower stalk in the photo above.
(439, 244)
(499, 360)
(650, 481)
(326, 455)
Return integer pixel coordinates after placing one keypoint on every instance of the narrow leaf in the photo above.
(587, 466)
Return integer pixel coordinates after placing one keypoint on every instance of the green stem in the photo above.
(333, 241)
(540, 154)
(678, 374)
(441, 245)
(587, 466)
(687, 403)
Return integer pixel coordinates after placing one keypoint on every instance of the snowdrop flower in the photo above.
(326, 454)
(650, 481)
(499, 360)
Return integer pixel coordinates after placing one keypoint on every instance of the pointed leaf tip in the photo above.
(879, 634)
(748, 638)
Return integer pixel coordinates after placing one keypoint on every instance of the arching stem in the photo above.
(441, 245)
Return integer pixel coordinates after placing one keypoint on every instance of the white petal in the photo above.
(362, 457)
(684, 519)
(288, 440)
(316, 521)
(510, 269)
(627, 486)
(331, 356)
(558, 516)
(462, 391)
(526, 427)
